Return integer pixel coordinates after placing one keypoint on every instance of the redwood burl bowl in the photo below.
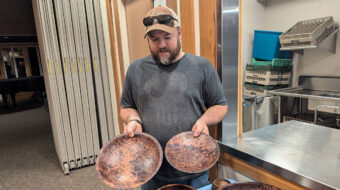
(128, 162)
(249, 186)
(176, 187)
(192, 154)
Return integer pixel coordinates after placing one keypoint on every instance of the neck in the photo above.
(180, 55)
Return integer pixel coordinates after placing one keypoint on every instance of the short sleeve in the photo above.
(213, 91)
(127, 100)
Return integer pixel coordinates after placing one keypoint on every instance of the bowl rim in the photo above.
(194, 171)
(231, 185)
(136, 134)
(175, 184)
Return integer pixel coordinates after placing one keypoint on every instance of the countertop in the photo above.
(306, 154)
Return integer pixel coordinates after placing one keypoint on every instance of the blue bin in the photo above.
(267, 46)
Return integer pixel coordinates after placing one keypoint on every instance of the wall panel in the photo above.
(207, 10)
(188, 26)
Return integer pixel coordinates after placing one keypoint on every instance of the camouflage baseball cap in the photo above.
(161, 18)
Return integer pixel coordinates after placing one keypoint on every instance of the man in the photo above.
(170, 92)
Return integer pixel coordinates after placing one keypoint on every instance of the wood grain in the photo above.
(207, 22)
(172, 4)
(240, 85)
(188, 26)
(119, 42)
(2, 67)
(207, 10)
(27, 62)
(114, 62)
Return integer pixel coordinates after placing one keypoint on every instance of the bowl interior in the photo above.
(128, 162)
(249, 186)
(192, 154)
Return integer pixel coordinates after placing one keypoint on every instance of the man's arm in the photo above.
(130, 118)
(211, 116)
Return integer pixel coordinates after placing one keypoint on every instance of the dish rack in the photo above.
(274, 62)
(260, 90)
(280, 69)
(271, 80)
(307, 33)
(267, 74)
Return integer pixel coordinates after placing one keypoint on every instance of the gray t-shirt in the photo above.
(170, 98)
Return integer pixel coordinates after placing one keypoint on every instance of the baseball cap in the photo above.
(159, 14)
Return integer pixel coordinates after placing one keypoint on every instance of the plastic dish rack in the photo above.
(260, 90)
(272, 80)
(280, 69)
(267, 46)
(267, 74)
(307, 33)
(253, 91)
(275, 62)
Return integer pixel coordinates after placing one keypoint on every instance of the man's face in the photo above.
(165, 47)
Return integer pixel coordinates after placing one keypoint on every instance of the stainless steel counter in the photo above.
(306, 154)
(305, 93)
(315, 87)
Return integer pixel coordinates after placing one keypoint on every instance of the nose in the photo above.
(162, 43)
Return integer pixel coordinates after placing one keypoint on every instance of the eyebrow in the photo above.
(151, 36)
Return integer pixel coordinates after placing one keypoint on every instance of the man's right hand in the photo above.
(131, 127)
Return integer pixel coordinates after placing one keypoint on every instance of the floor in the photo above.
(28, 157)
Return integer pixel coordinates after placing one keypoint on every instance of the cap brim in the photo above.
(162, 27)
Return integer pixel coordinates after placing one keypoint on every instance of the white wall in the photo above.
(253, 18)
(280, 15)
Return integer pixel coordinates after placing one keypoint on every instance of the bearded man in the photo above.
(170, 92)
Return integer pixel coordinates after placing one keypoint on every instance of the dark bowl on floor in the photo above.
(218, 183)
(192, 154)
(128, 162)
(176, 187)
(249, 186)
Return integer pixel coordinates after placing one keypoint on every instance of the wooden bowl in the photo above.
(176, 187)
(218, 183)
(192, 154)
(128, 162)
(249, 186)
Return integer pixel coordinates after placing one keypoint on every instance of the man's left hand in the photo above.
(200, 127)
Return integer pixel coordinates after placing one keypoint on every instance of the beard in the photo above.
(166, 59)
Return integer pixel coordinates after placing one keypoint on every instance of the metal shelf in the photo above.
(329, 43)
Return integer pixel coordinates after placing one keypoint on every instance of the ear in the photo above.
(180, 32)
